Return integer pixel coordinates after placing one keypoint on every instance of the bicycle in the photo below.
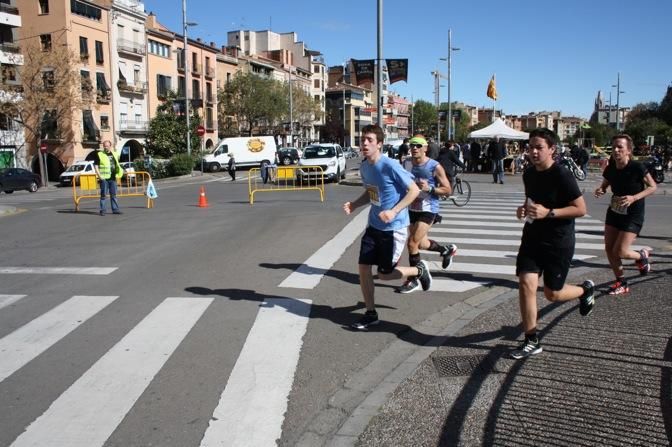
(461, 191)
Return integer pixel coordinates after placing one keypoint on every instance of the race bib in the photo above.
(374, 195)
(616, 207)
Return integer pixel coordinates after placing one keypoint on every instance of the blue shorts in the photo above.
(382, 248)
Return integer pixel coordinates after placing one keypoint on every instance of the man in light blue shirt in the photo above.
(389, 189)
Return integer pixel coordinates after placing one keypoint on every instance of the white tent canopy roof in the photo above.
(499, 129)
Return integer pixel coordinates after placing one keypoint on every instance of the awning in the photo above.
(101, 83)
(90, 128)
(122, 78)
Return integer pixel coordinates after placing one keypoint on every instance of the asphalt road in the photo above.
(234, 255)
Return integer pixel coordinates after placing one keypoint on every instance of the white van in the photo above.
(248, 151)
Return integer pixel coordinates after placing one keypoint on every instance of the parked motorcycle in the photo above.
(568, 162)
(655, 167)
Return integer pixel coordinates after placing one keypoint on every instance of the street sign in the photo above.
(200, 130)
(43, 148)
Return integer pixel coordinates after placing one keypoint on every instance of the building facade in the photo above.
(12, 141)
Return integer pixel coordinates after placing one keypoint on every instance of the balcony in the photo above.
(10, 47)
(209, 72)
(133, 126)
(196, 69)
(130, 47)
(103, 97)
(209, 98)
(9, 15)
(180, 66)
(136, 88)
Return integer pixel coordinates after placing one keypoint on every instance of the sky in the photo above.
(547, 56)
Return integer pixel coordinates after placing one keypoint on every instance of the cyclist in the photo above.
(449, 161)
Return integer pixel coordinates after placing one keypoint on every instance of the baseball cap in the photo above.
(418, 140)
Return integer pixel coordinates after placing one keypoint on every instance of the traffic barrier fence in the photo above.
(133, 184)
(285, 178)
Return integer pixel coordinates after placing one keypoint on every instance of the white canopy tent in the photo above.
(499, 129)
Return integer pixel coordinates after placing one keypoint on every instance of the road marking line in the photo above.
(311, 272)
(32, 339)
(87, 413)
(6, 300)
(58, 270)
(449, 223)
(252, 407)
(511, 217)
(453, 285)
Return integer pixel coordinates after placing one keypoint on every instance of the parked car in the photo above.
(129, 173)
(288, 155)
(76, 169)
(12, 179)
(328, 156)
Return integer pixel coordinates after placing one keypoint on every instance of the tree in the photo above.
(665, 108)
(252, 103)
(424, 117)
(305, 109)
(332, 131)
(462, 125)
(44, 101)
(167, 134)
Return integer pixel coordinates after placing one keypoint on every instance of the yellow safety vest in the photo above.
(105, 168)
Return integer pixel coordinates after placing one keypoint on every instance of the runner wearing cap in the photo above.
(432, 181)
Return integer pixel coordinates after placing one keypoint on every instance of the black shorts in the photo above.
(552, 262)
(382, 248)
(629, 223)
(424, 216)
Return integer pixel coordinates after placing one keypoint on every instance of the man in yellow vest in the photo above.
(108, 171)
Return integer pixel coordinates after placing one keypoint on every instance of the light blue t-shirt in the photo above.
(425, 202)
(387, 182)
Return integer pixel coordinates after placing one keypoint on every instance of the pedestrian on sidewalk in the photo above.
(630, 183)
(497, 153)
(389, 189)
(432, 182)
(108, 170)
(231, 167)
(449, 161)
(553, 201)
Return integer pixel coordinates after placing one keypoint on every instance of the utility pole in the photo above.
(618, 104)
(379, 66)
(186, 74)
(291, 117)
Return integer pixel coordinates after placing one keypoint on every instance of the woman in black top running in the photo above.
(630, 183)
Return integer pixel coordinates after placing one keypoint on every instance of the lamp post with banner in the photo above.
(200, 131)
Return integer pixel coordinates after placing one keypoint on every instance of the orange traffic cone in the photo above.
(202, 200)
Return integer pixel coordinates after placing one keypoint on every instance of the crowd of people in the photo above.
(403, 195)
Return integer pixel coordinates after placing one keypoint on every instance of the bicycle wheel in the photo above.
(461, 193)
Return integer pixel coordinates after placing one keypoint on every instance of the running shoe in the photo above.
(447, 254)
(526, 349)
(587, 300)
(424, 276)
(369, 319)
(643, 264)
(619, 288)
(411, 285)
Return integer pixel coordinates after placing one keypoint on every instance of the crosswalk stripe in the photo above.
(587, 226)
(87, 413)
(251, 408)
(476, 231)
(515, 243)
(311, 272)
(58, 270)
(6, 300)
(456, 286)
(501, 254)
(466, 267)
(512, 217)
(32, 339)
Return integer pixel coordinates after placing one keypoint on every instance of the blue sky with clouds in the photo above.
(546, 55)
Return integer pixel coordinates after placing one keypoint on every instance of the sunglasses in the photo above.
(416, 146)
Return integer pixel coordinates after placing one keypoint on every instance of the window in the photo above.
(181, 85)
(86, 81)
(162, 85)
(195, 89)
(316, 83)
(48, 80)
(45, 42)
(159, 48)
(317, 98)
(90, 130)
(49, 126)
(136, 74)
(316, 68)
(180, 59)
(104, 122)
(83, 9)
(120, 31)
(44, 6)
(208, 92)
(99, 53)
(102, 88)
(83, 47)
(228, 78)
(8, 73)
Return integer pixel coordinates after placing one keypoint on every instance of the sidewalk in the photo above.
(605, 379)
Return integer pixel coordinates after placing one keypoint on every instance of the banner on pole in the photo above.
(397, 70)
(364, 70)
(492, 88)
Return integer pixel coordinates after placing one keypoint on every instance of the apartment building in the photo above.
(283, 57)
(81, 26)
(397, 117)
(128, 54)
(568, 126)
(12, 139)
(352, 104)
(607, 113)
(227, 67)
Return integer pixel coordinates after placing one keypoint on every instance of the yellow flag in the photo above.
(492, 89)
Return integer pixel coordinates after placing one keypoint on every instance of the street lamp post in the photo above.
(618, 106)
(291, 117)
(449, 118)
(186, 74)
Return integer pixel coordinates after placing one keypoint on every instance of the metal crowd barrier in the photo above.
(286, 178)
(134, 184)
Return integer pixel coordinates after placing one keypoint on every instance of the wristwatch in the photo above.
(551, 213)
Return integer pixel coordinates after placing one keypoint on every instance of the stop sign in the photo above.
(43, 148)
(200, 130)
